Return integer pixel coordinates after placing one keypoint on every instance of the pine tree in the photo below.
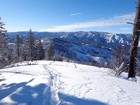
(4, 54)
(50, 52)
(40, 50)
(18, 48)
(30, 46)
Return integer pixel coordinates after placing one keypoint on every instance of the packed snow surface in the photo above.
(62, 83)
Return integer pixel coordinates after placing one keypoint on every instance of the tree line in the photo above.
(24, 50)
(28, 49)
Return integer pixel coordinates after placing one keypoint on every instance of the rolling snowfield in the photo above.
(62, 83)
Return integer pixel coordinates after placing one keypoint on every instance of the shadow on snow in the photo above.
(28, 95)
(71, 100)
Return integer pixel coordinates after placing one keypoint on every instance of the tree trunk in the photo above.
(135, 40)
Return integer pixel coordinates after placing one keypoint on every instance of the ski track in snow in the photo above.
(52, 91)
(84, 85)
(55, 84)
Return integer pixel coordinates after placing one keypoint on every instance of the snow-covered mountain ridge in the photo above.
(81, 36)
(62, 83)
(91, 47)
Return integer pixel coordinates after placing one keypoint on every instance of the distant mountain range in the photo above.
(80, 36)
(82, 47)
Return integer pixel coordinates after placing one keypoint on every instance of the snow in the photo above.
(63, 83)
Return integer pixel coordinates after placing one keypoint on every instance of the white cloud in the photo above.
(125, 29)
(75, 14)
(114, 21)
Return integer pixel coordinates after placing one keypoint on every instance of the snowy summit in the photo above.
(62, 83)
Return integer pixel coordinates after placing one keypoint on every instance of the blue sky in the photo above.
(68, 15)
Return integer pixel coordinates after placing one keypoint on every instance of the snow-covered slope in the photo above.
(62, 83)
(81, 53)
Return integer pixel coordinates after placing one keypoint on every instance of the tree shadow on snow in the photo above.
(30, 95)
(23, 94)
(71, 100)
(26, 95)
(8, 89)
(2, 80)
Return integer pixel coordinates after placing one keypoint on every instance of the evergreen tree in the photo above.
(50, 52)
(19, 52)
(30, 46)
(40, 51)
(4, 53)
(18, 46)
